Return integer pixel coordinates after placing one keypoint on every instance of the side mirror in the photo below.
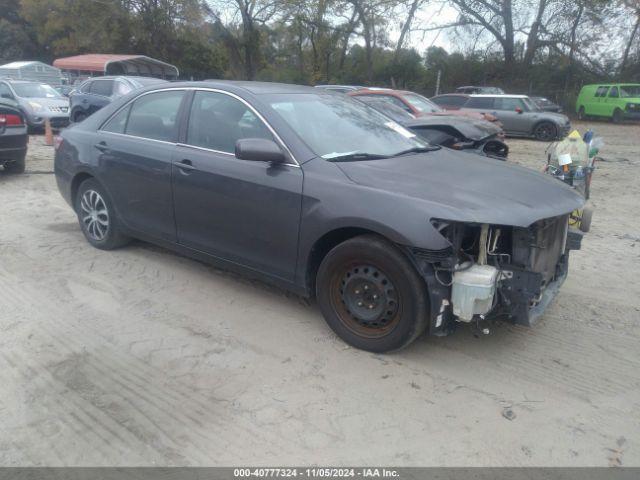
(259, 150)
(518, 110)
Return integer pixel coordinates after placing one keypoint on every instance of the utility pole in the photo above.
(438, 82)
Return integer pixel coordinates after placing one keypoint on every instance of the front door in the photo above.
(241, 211)
(514, 115)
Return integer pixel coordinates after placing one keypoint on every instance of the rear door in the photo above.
(241, 211)
(135, 148)
(600, 105)
(612, 101)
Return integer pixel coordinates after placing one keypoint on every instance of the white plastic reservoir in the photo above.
(473, 290)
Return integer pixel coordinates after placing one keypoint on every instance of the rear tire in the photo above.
(371, 295)
(585, 219)
(16, 166)
(545, 132)
(97, 216)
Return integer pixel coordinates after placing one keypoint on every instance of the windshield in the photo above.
(630, 91)
(334, 126)
(35, 90)
(422, 104)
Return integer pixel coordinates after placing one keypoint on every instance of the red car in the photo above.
(416, 104)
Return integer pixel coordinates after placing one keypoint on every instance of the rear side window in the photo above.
(602, 91)
(155, 115)
(217, 121)
(614, 92)
(118, 122)
(102, 87)
(480, 102)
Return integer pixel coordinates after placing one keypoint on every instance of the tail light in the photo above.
(57, 141)
(10, 120)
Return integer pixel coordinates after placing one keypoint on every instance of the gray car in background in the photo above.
(520, 116)
(37, 102)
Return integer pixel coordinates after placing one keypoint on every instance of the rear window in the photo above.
(480, 102)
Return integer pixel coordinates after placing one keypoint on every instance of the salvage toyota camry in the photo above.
(326, 197)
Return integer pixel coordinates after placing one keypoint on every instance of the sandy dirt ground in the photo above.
(143, 357)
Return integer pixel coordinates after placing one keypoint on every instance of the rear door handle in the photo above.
(185, 165)
(102, 146)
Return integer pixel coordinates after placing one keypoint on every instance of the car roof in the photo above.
(13, 80)
(257, 88)
(503, 95)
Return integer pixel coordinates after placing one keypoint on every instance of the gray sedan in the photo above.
(326, 197)
(520, 116)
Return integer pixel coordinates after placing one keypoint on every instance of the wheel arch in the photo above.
(545, 120)
(325, 243)
(76, 182)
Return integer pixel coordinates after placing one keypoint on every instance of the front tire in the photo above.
(581, 114)
(617, 116)
(545, 132)
(97, 217)
(371, 295)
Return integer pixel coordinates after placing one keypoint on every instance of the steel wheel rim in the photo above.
(545, 132)
(94, 215)
(365, 300)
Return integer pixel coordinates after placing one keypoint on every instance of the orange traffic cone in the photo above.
(48, 133)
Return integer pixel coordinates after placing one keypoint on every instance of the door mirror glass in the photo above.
(259, 150)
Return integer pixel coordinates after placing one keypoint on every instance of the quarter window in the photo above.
(217, 121)
(154, 116)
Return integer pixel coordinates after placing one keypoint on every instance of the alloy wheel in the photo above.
(94, 215)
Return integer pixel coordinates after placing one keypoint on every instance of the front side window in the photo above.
(421, 104)
(480, 102)
(155, 115)
(602, 91)
(217, 121)
(333, 126)
(102, 87)
(389, 99)
(508, 104)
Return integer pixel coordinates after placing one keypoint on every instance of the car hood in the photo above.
(468, 188)
(470, 128)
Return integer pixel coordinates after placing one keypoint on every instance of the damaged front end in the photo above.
(495, 271)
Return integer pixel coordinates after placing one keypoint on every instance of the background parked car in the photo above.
(451, 131)
(13, 138)
(94, 93)
(617, 101)
(474, 89)
(37, 102)
(519, 115)
(543, 103)
(415, 103)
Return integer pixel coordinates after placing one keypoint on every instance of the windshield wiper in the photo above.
(355, 156)
(430, 148)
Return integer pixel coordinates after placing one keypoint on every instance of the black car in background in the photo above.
(324, 196)
(460, 133)
(93, 94)
(13, 138)
(547, 105)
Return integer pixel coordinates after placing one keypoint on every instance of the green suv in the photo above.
(617, 101)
